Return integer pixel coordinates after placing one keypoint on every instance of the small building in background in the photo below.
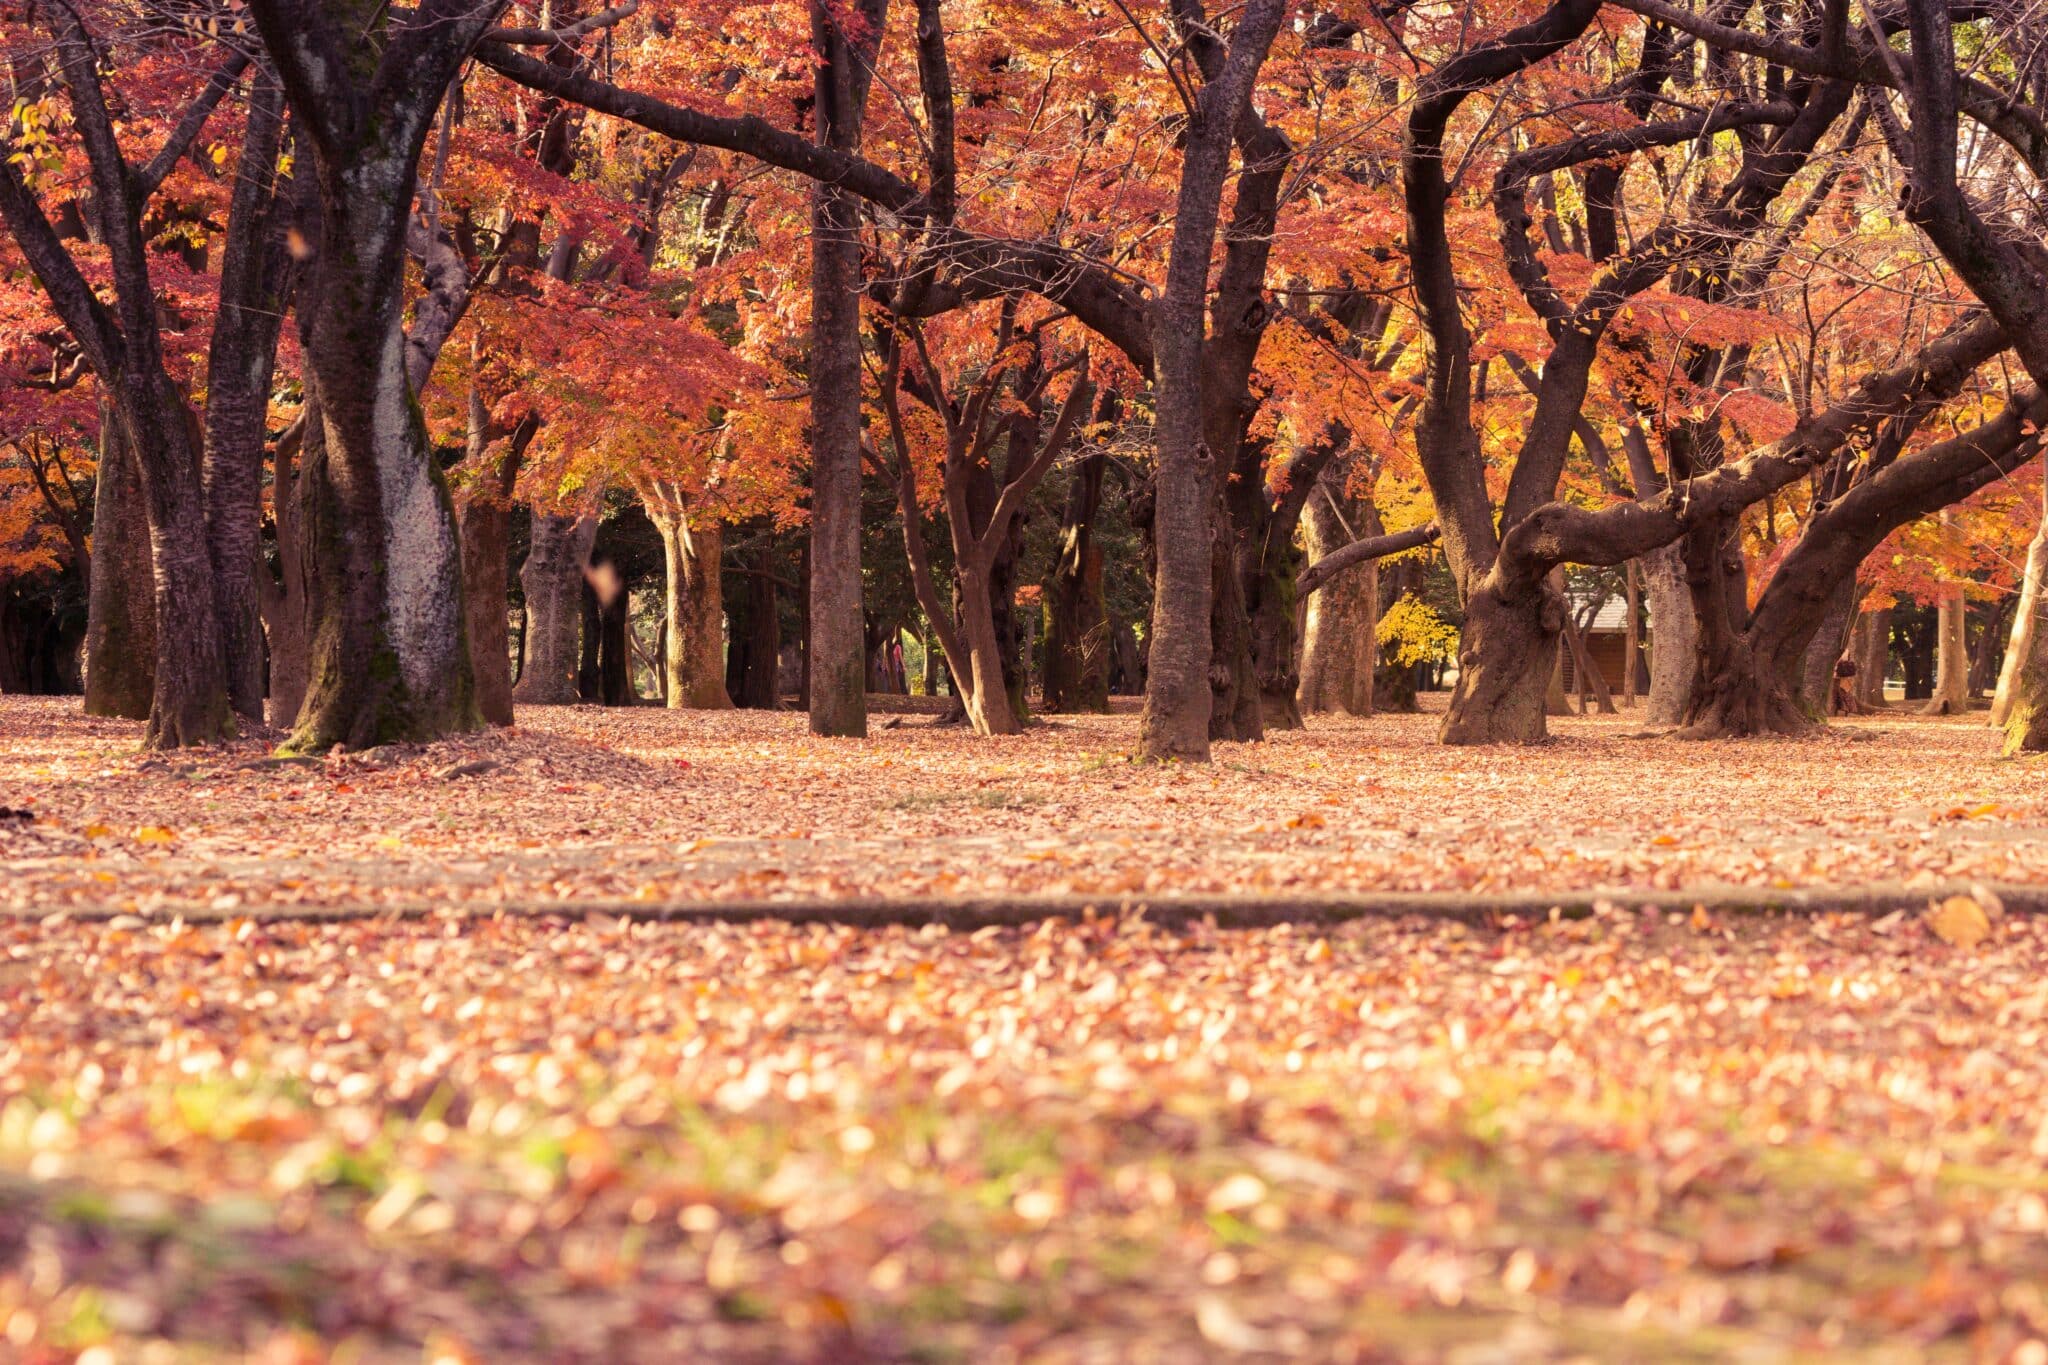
(1606, 639)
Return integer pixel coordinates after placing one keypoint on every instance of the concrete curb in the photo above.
(967, 913)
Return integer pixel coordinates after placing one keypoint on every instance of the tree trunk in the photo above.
(1556, 700)
(389, 659)
(1235, 708)
(1674, 634)
(834, 661)
(987, 692)
(241, 364)
(755, 652)
(615, 650)
(1991, 640)
(1737, 690)
(1273, 608)
(189, 699)
(1077, 652)
(1873, 655)
(1178, 694)
(1952, 655)
(552, 580)
(120, 640)
(2029, 623)
(1340, 629)
(284, 598)
(1592, 682)
(1632, 640)
(1817, 672)
(484, 593)
(695, 633)
(1505, 656)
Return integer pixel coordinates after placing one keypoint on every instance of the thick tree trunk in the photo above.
(389, 658)
(695, 632)
(1505, 656)
(1178, 685)
(552, 581)
(1340, 630)
(1077, 652)
(1738, 690)
(1674, 634)
(120, 640)
(2029, 625)
(189, 701)
(2021, 707)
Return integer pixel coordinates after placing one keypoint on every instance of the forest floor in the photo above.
(649, 809)
(1692, 1132)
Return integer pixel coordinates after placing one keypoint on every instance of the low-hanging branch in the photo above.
(1330, 565)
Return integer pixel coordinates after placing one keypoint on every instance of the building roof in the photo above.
(1612, 616)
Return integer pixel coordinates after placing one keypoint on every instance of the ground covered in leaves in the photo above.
(462, 1138)
(523, 1124)
(645, 806)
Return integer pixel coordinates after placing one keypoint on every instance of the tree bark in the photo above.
(695, 631)
(1178, 684)
(389, 660)
(1952, 654)
(1340, 627)
(1817, 672)
(284, 598)
(1631, 647)
(120, 636)
(484, 536)
(1506, 653)
(2029, 622)
(834, 657)
(552, 581)
(1077, 647)
(1873, 655)
(241, 363)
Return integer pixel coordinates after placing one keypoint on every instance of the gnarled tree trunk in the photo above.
(1505, 656)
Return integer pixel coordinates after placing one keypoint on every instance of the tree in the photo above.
(981, 506)
(389, 658)
(147, 420)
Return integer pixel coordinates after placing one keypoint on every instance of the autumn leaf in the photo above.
(1959, 921)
